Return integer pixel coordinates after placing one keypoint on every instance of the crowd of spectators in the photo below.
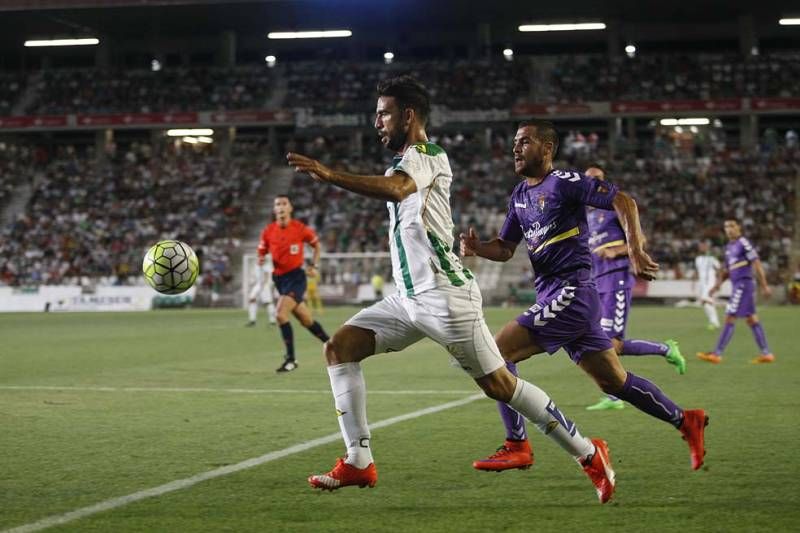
(146, 91)
(344, 87)
(673, 190)
(94, 219)
(673, 77)
(91, 221)
(686, 200)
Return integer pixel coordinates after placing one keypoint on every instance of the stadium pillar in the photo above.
(228, 135)
(357, 144)
(614, 127)
(226, 56)
(103, 140)
(485, 40)
(102, 57)
(613, 47)
(748, 131)
(748, 40)
(630, 127)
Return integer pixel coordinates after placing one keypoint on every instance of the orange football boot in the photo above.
(763, 358)
(600, 472)
(711, 357)
(693, 430)
(344, 475)
(512, 454)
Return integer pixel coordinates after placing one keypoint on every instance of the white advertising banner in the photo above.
(72, 298)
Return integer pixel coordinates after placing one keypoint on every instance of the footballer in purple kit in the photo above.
(548, 210)
(615, 281)
(741, 258)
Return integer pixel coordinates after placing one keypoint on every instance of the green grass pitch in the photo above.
(99, 406)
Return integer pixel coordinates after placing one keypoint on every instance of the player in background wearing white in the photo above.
(261, 293)
(437, 297)
(707, 269)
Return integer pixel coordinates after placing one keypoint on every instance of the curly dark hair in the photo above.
(409, 93)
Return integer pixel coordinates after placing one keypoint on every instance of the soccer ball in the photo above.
(170, 267)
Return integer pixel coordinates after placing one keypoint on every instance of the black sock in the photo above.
(318, 332)
(288, 340)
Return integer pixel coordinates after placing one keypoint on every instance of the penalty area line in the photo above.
(181, 484)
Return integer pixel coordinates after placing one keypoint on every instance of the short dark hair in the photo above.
(409, 93)
(283, 196)
(545, 131)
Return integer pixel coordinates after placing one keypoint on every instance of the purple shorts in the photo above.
(743, 299)
(614, 312)
(567, 315)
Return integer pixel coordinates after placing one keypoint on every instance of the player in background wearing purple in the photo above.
(612, 274)
(740, 260)
(548, 210)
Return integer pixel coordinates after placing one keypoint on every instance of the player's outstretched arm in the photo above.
(494, 250)
(628, 213)
(392, 188)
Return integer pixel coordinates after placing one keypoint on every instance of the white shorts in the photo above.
(261, 292)
(451, 316)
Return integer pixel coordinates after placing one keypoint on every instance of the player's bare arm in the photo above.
(312, 268)
(762, 278)
(628, 213)
(613, 252)
(393, 188)
(495, 250)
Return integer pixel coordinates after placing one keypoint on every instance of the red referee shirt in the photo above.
(285, 244)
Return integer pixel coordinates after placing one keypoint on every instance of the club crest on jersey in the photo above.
(540, 202)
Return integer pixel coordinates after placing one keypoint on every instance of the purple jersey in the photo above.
(739, 255)
(551, 216)
(605, 231)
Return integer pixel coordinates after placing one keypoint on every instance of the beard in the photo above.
(532, 167)
(396, 140)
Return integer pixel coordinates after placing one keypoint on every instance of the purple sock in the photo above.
(761, 337)
(724, 338)
(512, 420)
(642, 347)
(646, 397)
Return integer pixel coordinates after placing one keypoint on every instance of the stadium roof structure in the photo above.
(385, 23)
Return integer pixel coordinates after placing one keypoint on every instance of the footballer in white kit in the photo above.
(436, 296)
(261, 294)
(707, 268)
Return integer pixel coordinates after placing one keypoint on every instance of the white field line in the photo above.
(180, 484)
(222, 391)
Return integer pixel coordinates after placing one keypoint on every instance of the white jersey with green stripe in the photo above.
(421, 225)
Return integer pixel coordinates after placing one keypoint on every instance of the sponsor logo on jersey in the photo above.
(537, 231)
(597, 237)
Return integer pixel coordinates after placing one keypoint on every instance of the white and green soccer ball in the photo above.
(170, 267)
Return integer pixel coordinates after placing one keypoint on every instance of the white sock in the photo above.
(535, 405)
(271, 312)
(252, 307)
(711, 313)
(350, 398)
